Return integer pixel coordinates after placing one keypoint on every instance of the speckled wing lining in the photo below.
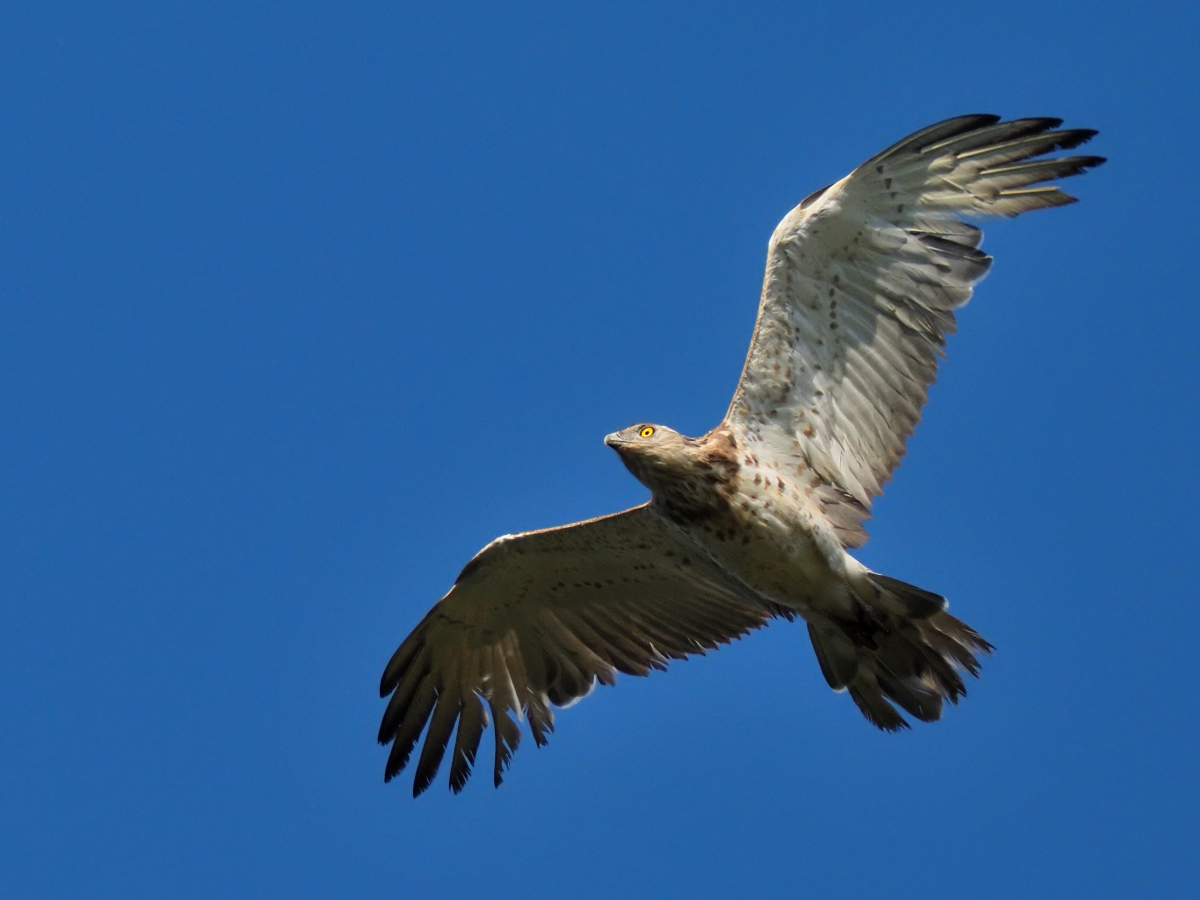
(537, 618)
(862, 280)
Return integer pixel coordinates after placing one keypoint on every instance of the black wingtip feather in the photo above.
(410, 728)
(1069, 140)
(394, 671)
(441, 726)
(508, 738)
(950, 128)
(406, 694)
(472, 721)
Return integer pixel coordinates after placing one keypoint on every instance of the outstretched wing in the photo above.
(538, 618)
(861, 284)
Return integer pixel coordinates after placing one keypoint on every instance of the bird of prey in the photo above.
(753, 520)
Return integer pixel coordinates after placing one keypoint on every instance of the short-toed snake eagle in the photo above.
(753, 520)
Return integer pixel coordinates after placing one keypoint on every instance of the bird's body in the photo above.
(754, 519)
(760, 519)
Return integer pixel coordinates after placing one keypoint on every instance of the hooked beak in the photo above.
(614, 440)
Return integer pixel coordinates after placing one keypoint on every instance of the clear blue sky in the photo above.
(300, 306)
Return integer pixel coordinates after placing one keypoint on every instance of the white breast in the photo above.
(774, 539)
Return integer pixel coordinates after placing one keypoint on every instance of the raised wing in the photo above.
(861, 283)
(538, 618)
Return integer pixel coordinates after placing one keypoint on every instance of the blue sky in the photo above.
(302, 305)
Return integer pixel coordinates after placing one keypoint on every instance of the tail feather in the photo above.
(918, 603)
(835, 655)
(916, 696)
(956, 639)
(865, 691)
(911, 659)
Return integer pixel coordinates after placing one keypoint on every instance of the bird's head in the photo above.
(653, 453)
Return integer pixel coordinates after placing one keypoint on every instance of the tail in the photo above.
(903, 647)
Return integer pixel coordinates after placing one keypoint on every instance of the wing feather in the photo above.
(538, 619)
(409, 729)
(441, 726)
(471, 723)
(861, 286)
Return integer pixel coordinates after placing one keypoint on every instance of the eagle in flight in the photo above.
(754, 519)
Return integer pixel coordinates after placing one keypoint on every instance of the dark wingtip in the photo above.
(387, 681)
(425, 776)
(393, 768)
(410, 649)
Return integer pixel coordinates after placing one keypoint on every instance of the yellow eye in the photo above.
(646, 432)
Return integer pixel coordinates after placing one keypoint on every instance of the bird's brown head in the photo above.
(653, 453)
